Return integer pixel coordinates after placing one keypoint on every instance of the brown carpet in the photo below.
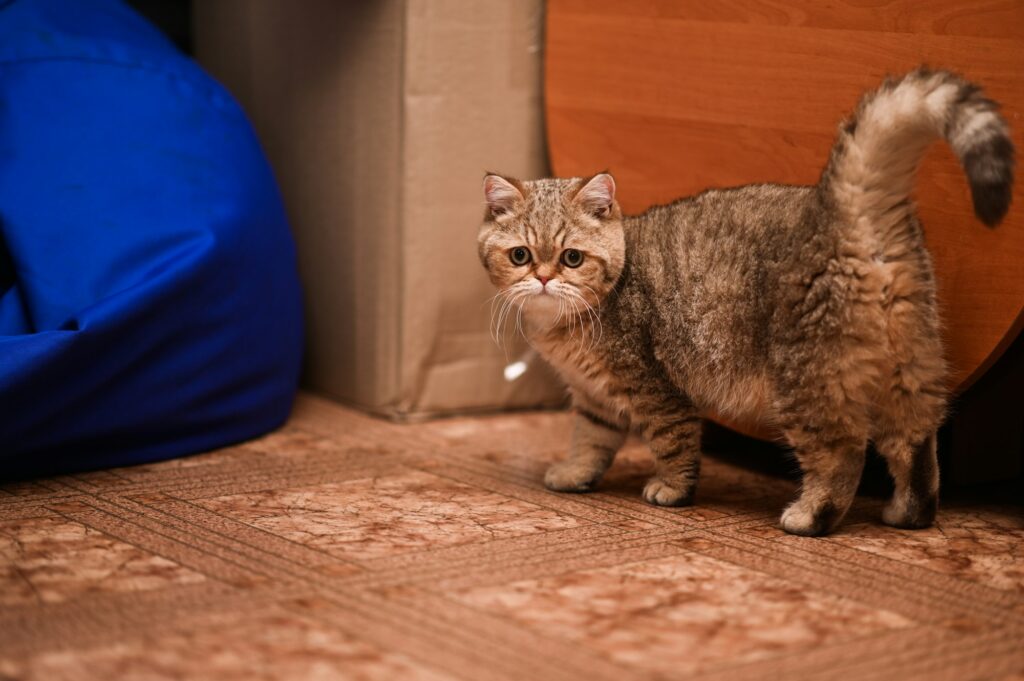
(343, 547)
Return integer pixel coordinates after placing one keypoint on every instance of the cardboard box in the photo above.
(380, 119)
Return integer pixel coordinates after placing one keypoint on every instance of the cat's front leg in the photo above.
(673, 433)
(595, 441)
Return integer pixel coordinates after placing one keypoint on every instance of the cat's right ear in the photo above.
(597, 195)
(502, 195)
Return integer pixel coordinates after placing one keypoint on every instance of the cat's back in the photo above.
(755, 214)
(728, 246)
(712, 269)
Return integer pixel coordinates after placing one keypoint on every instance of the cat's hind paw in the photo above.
(910, 514)
(806, 521)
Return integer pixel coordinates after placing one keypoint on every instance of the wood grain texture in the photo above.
(676, 97)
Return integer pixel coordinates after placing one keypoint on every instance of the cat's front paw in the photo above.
(660, 493)
(572, 476)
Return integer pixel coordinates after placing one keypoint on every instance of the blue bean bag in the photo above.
(149, 301)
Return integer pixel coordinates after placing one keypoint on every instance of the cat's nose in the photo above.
(543, 280)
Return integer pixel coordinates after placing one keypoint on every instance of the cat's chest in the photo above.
(587, 373)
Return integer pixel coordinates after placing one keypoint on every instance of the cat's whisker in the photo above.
(519, 293)
(517, 303)
(590, 319)
(493, 323)
(561, 310)
(592, 315)
(594, 311)
(493, 298)
(600, 327)
(595, 317)
(577, 321)
(563, 306)
(574, 317)
(498, 335)
(494, 307)
(519, 316)
(597, 298)
(514, 293)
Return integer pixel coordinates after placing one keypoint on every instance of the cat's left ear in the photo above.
(597, 195)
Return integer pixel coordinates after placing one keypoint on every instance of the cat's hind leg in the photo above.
(912, 401)
(595, 441)
(828, 431)
(915, 472)
(828, 379)
(831, 468)
(910, 412)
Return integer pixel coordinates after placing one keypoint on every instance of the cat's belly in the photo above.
(745, 397)
(749, 399)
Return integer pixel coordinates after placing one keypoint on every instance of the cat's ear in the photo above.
(597, 195)
(502, 195)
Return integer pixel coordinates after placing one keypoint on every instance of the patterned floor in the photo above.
(344, 547)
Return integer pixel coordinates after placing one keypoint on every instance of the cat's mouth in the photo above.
(544, 297)
(551, 287)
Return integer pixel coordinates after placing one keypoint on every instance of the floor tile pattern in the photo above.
(345, 547)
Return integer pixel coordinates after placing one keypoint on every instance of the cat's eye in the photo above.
(519, 255)
(572, 258)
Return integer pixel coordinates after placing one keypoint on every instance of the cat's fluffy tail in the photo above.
(871, 171)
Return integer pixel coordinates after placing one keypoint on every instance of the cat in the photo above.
(808, 307)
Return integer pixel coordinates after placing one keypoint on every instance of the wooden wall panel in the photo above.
(675, 97)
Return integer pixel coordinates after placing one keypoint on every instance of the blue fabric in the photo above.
(149, 301)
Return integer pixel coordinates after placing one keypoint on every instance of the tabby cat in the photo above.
(809, 308)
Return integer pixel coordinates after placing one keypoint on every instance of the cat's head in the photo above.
(551, 245)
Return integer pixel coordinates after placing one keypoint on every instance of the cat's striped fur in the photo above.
(809, 307)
